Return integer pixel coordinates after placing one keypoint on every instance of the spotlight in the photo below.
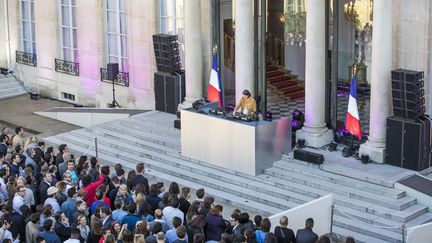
(332, 147)
(301, 143)
(346, 152)
(297, 115)
(364, 158)
(296, 125)
(269, 116)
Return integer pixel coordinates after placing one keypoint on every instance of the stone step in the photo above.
(370, 209)
(12, 90)
(373, 231)
(135, 148)
(218, 190)
(9, 84)
(350, 192)
(148, 126)
(181, 172)
(315, 170)
(359, 238)
(116, 129)
(196, 165)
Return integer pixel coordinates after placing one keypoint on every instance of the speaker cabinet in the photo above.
(307, 156)
(408, 143)
(169, 90)
(407, 91)
(113, 71)
(167, 53)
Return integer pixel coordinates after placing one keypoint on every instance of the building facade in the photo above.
(61, 49)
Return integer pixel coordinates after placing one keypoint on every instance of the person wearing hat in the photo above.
(52, 192)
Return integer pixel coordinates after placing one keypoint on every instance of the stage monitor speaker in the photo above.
(169, 91)
(113, 71)
(408, 143)
(307, 156)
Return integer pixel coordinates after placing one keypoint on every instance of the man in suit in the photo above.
(43, 187)
(107, 219)
(306, 235)
(139, 178)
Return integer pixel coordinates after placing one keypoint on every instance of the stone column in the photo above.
(244, 47)
(314, 131)
(193, 52)
(380, 101)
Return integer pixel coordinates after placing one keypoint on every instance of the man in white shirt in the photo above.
(18, 199)
(75, 236)
(29, 196)
(172, 211)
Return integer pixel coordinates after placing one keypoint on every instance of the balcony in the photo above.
(26, 58)
(71, 68)
(122, 78)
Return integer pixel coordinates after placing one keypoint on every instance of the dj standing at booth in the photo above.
(247, 104)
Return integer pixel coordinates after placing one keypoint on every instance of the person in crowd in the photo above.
(4, 144)
(283, 233)
(105, 216)
(196, 226)
(59, 157)
(139, 178)
(44, 185)
(323, 239)
(18, 199)
(198, 238)
(113, 190)
(158, 219)
(171, 235)
(48, 232)
(123, 194)
(81, 209)
(181, 234)
(99, 201)
(165, 200)
(3, 188)
(69, 206)
(153, 198)
(349, 239)
(263, 231)
(83, 227)
(40, 151)
(71, 170)
(192, 211)
(118, 213)
(95, 230)
(75, 236)
(14, 166)
(18, 138)
(234, 228)
(18, 222)
(172, 211)
(131, 174)
(131, 218)
(250, 235)
(200, 194)
(185, 195)
(51, 200)
(47, 213)
(215, 224)
(29, 198)
(61, 226)
(61, 195)
(32, 228)
(115, 228)
(257, 222)
(141, 231)
(90, 187)
(306, 235)
(30, 159)
(207, 205)
(4, 229)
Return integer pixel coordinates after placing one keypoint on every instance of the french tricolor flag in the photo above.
(214, 91)
(352, 121)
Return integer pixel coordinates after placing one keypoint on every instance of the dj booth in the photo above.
(238, 143)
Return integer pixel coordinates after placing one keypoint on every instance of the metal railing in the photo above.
(275, 50)
(122, 78)
(26, 58)
(67, 67)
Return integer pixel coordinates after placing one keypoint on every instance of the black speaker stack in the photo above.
(167, 53)
(408, 135)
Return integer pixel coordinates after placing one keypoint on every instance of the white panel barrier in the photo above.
(320, 210)
(420, 234)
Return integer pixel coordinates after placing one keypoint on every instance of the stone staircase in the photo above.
(284, 83)
(9, 87)
(368, 212)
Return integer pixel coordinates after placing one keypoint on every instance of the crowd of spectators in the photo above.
(48, 195)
